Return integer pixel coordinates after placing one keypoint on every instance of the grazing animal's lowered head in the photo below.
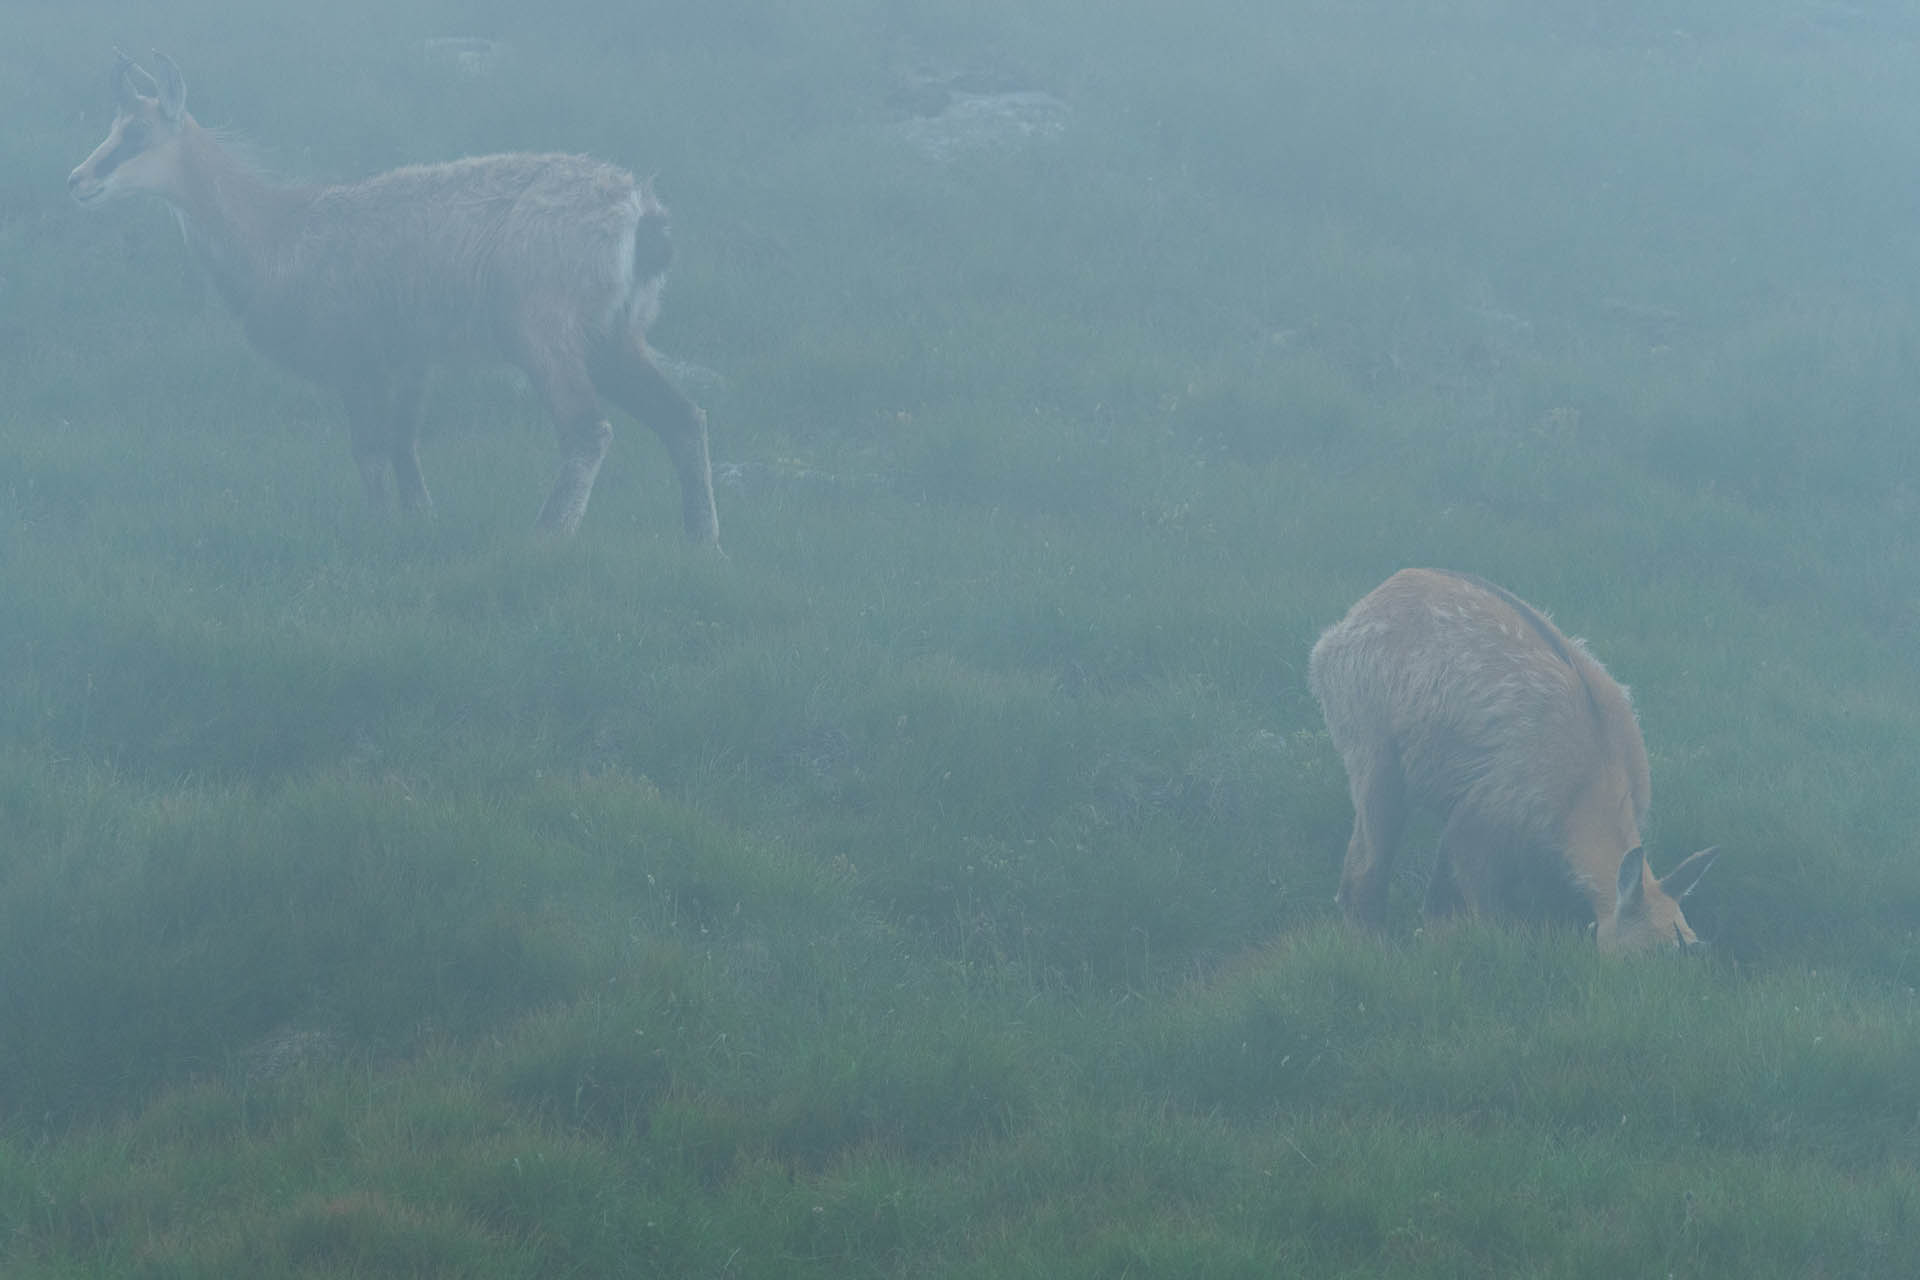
(1647, 911)
(1445, 692)
(554, 263)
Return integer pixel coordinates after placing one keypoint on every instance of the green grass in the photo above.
(941, 884)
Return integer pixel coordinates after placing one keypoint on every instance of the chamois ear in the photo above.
(173, 88)
(130, 81)
(1630, 896)
(1680, 881)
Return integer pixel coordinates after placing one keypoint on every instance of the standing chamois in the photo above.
(1444, 691)
(551, 262)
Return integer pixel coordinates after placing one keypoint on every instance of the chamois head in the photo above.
(1646, 911)
(140, 152)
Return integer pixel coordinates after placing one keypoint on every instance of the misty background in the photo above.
(942, 883)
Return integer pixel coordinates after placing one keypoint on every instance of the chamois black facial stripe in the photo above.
(132, 142)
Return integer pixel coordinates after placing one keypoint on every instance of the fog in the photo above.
(941, 878)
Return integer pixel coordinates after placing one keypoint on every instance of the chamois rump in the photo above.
(551, 262)
(1446, 692)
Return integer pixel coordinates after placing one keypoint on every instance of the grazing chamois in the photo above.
(1444, 691)
(551, 262)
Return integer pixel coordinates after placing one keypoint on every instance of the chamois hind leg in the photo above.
(560, 372)
(370, 429)
(404, 440)
(626, 373)
(1379, 812)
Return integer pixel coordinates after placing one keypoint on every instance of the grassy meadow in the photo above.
(941, 883)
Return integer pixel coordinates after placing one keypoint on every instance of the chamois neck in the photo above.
(230, 213)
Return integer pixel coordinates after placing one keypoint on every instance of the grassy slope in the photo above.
(939, 886)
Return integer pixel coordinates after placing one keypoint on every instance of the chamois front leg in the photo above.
(1464, 867)
(383, 417)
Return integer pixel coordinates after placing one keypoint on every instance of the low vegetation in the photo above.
(942, 883)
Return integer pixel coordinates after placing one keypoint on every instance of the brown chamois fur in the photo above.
(551, 262)
(1446, 692)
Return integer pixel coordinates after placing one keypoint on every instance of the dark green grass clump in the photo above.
(942, 884)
